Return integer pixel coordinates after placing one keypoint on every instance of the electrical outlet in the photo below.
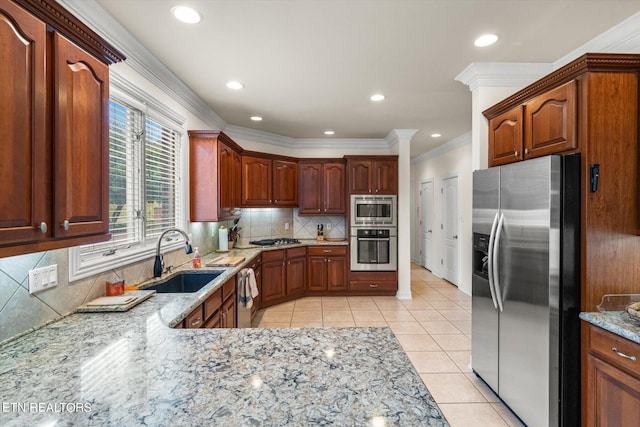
(327, 226)
(43, 278)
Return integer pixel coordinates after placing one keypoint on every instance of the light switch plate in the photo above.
(43, 278)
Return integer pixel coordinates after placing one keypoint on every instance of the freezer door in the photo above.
(485, 320)
(486, 199)
(528, 272)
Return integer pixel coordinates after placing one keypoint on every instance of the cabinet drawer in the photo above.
(269, 256)
(195, 319)
(229, 288)
(372, 285)
(611, 348)
(296, 252)
(327, 250)
(213, 303)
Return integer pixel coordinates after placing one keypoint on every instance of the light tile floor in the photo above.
(434, 328)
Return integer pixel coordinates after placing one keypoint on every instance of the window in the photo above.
(144, 187)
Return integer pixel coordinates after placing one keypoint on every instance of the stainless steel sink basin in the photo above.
(186, 282)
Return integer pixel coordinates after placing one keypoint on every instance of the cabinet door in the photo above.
(229, 312)
(285, 183)
(24, 152)
(81, 142)
(317, 274)
(333, 183)
(273, 285)
(296, 269)
(226, 180)
(385, 177)
(256, 181)
(550, 122)
(613, 397)
(336, 273)
(310, 185)
(215, 321)
(360, 173)
(505, 138)
(236, 174)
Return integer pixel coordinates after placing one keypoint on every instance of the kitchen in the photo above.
(85, 288)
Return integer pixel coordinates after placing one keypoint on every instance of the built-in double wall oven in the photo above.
(374, 236)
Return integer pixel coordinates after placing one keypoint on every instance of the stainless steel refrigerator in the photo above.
(525, 287)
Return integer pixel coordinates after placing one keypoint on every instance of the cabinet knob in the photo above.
(373, 285)
(65, 225)
(516, 153)
(328, 260)
(196, 322)
(318, 210)
(526, 151)
(43, 227)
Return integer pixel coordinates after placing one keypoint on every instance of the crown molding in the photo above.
(452, 144)
(397, 135)
(141, 60)
(623, 38)
(502, 74)
(239, 132)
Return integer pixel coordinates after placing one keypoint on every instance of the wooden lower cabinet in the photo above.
(327, 266)
(611, 379)
(273, 277)
(218, 311)
(373, 282)
(296, 272)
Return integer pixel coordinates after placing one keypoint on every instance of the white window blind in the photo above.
(144, 189)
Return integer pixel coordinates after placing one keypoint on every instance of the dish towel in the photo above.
(245, 289)
(252, 283)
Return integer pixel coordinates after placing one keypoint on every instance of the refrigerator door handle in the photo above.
(490, 260)
(496, 265)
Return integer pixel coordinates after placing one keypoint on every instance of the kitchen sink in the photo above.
(187, 282)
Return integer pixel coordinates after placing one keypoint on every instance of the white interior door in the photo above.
(449, 228)
(426, 224)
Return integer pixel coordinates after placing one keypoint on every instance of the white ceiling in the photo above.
(309, 66)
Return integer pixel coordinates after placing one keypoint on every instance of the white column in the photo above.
(490, 83)
(402, 139)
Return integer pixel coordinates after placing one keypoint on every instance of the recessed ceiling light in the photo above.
(186, 14)
(329, 132)
(235, 85)
(486, 40)
(435, 135)
(256, 118)
(377, 97)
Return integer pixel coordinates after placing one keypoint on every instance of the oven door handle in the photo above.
(373, 239)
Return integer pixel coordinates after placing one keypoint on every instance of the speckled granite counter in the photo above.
(131, 369)
(615, 321)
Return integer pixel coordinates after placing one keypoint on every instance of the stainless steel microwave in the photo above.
(369, 210)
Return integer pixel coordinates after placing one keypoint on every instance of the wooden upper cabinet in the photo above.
(550, 122)
(214, 176)
(24, 152)
(54, 156)
(372, 174)
(81, 135)
(256, 181)
(334, 182)
(322, 188)
(269, 182)
(285, 183)
(310, 187)
(505, 138)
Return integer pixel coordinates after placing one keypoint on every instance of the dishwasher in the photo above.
(244, 312)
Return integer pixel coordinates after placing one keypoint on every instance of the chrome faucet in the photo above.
(158, 264)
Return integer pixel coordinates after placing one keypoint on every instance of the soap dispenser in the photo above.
(197, 260)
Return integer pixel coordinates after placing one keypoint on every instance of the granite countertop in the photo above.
(132, 369)
(617, 322)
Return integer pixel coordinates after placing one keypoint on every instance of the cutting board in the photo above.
(225, 261)
(118, 303)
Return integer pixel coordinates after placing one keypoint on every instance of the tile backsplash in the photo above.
(268, 223)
